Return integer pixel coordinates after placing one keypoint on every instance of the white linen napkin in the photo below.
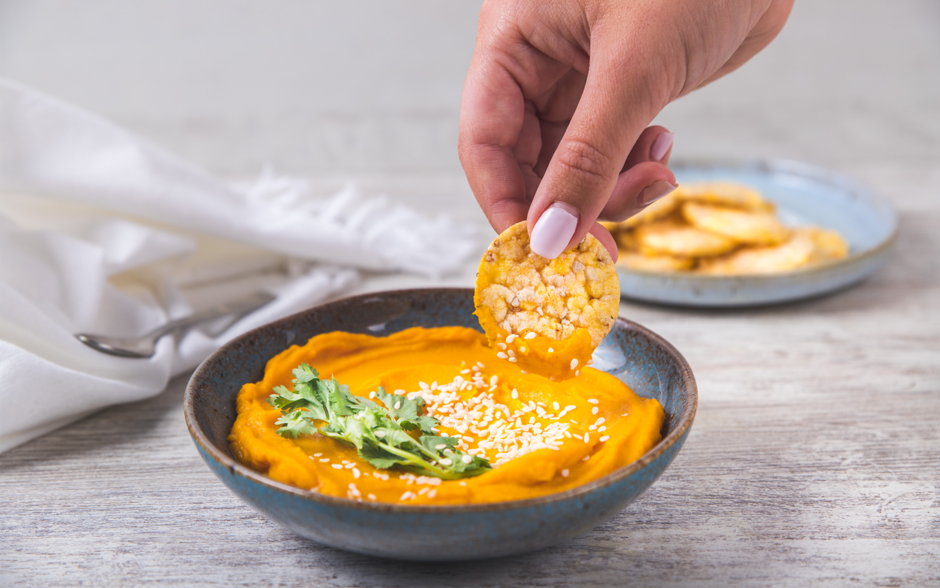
(106, 234)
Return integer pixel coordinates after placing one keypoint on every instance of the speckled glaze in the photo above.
(642, 359)
(804, 194)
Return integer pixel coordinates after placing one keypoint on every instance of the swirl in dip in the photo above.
(541, 436)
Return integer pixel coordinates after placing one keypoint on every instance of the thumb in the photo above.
(582, 174)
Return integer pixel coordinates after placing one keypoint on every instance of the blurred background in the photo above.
(370, 90)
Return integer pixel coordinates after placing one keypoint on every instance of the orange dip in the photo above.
(556, 435)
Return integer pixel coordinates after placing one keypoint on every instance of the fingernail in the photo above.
(554, 230)
(661, 146)
(655, 191)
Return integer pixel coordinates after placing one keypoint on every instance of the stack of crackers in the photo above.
(720, 229)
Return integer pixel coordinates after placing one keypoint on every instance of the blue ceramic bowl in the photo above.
(642, 359)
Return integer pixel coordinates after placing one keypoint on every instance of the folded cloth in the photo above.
(101, 272)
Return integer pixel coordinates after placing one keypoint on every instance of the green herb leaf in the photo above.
(379, 432)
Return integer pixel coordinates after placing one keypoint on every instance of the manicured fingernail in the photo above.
(655, 191)
(661, 146)
(554, 230)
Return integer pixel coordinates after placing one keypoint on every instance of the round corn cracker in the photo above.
(680, 240)
(792, 254)
(723, 194)
(550, 314)
(747, 227)
(654, 263)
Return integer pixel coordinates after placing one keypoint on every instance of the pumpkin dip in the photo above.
(541, 436)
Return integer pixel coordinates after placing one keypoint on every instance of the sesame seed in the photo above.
(592, 428)
(349, 466)
(371, 496)
(501, 355)
(594, 401)
(600, 421)
(466, 459)
(356, 473)
(511, 338)
(317, 454)
(604, 438)
(380, 434)
(501, 345)
(432, 493)
(324, 460)
(493, 380)
(423, 491)
(441, 446)
(530, 335)
(465, 371)
(577, 373)
(601, 429)
(625, 414)
(372, 394)
(574, 363)
(337, 466)
(512, 360)
(556, 406)
(594, 410)
(480, 365)
(586, 438)
(586, 457)
(463, 483)
(397, 405)
(523, 371)
(515, 394)
(564, 473)
(550, 350)
(446, 461)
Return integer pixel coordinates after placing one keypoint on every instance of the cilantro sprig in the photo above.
(380, 433)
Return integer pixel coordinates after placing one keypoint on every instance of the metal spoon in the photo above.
(145, 345)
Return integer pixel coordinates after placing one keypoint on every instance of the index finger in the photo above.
(492, 112)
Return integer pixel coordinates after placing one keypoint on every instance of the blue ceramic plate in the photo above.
(642, 359)
(804, 194)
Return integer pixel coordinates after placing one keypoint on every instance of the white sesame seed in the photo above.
(324, 460)
(432, 493)
(465, 371)
(511, 338)
(594, 410)
(586, 438)
(423, 491)
(501, 345)
(556, 406)
(423, 386)
(625, 414)
(493, 380)
(577, 373)
(604, 438)
(601, 429)
(463, 483)
(594, 401)
(574, 363)
(515, 394)
(356, 473)
(317, 454)
(523, 371)
(480, 365)
(600, 421)
(466, 459)
(530, 335)
(336, 466)
(592, 428)
(586, 457)
(372, 394)
(512, 360)
(550, 350)
(371, 497)
(564, 473)
(349, 466)
(501, 355)
(441, 446)
(446, 461)
(380, 434)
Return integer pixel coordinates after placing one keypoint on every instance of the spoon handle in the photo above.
(241, 305)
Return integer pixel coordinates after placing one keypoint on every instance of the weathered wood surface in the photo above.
(814, 458)
(815, 455)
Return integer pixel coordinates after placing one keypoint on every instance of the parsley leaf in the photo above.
(380, 432)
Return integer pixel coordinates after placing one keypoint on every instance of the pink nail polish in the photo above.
(661, 146)
(554, 230)
(655, 191)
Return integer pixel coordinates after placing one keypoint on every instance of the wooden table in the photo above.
(815, 455)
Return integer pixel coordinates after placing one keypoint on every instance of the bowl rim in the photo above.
(684, 421)
(793, 167)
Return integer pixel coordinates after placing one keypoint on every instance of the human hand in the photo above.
(555, 108)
